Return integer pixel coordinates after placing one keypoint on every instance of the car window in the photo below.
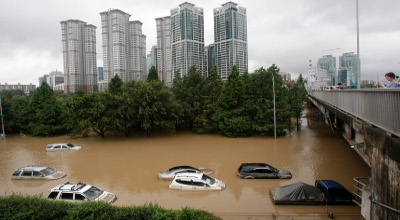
(70, 145)
(16, 173)
(67, 196)
(27, 173)
(52, 195)
(79, 197)
(47, 171)
(195, 183)
(183, 182)
(35, 173)
(64, 146)
(93, 192)
(208, 179)
(57, 146)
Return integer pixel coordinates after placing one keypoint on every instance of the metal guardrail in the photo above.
(359, 186)
(379, 107)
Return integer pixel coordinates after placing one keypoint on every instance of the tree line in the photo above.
(241, 106)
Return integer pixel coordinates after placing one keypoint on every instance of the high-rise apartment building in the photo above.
(154, 56)
(328, 63)
(164, 61)
(187, 30)
(209, 58)
(79, 53)
(230, 39)
(124, 47)
(349, 62)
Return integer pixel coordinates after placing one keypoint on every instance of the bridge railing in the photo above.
(380, 107)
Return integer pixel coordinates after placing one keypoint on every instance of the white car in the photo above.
(62, 147)
(37, 173)
(80, 192)
(195, 181)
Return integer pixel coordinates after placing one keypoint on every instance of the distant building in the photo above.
(149, 62)
(154, 52)
(25, 88)
(53, 79)
(124, 47)
(368, 82)
(317, 79)
(344, 76)
(328, 63)
(349, 62)
(100, 73)
(79, 54)
(230, 39)
(285, 76)
(209, 53)
(164, 61)
(187, 33)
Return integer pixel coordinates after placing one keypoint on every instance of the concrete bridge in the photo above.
(370, 121)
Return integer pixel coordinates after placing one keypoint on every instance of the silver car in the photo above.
(196, 181)
(80, 192)
(37, 173)
(170, 173)
(62, 147)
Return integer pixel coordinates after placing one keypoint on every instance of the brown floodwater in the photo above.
(128, 167)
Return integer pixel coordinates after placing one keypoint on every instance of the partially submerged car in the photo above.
(171, 172)
(196, 181)
(37, 173)
(62, 147)
(80, 192)
(297, 194)
(261, 171)
(335, 193)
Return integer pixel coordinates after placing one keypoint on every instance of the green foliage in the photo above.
(115, 86)
(13, 105)
(34, 207)
(45, 113)
(78, 113)
(296, 97)
(153, 74)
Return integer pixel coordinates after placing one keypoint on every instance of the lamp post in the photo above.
(2, 123)
(273, 91)
(358, 51)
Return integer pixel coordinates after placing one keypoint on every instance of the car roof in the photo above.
(189, 175)
(255, 165)
(32, 168)
(58, 143)
(69, 187)
(330, 184)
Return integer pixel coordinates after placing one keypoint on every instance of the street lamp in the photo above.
(358, 51)
(273, 91)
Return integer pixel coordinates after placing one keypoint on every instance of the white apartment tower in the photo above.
(230, 39)
(164, 61)
(187, 29)
(79, 54)
(124, 47)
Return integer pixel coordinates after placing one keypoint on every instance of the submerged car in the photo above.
(37, 173)
(170, 173)
(261, 171)
(80, 192)
(335, 193)
(62, 147)
(196, 181)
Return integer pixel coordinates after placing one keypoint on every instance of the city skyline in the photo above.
(286, 33)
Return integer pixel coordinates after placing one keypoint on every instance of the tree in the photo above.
(189, 92)
(212, 91)
(44, 113)
(296, 95)
(13, 107)
(153, 74)
(98, 118)
(78, 113)
(115, 86)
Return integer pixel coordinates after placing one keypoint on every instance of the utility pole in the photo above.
(358, 52)
(273, 89)
(2, 123)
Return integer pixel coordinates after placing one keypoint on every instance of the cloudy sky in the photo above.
(286, 32)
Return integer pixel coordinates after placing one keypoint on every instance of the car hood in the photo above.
(56, 175)
(107, 197)
(284, 173)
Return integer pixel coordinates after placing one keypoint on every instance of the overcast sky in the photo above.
(286, 32)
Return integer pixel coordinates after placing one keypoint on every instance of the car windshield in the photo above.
(93, 193)
(47, 171)
(208, 179)
(70, 145)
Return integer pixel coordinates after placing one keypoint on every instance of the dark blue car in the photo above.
(335, 193)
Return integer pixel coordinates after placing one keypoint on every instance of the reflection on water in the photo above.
(128, 167)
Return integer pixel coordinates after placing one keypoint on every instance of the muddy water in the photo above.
(128, 167)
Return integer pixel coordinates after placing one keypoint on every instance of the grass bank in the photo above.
(35, 207)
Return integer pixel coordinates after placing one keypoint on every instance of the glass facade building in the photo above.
(209, 54)
(187, 38)
(349, 62)
(328, 63)
(230, 39)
